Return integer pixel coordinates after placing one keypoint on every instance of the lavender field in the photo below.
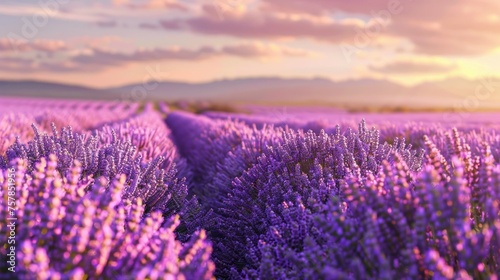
(108, 190)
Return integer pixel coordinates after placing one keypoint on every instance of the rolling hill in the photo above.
(270, 90)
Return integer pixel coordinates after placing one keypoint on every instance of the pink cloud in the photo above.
(246, 50)
(322, 6)
(413, 67)
(265, 26)
(264, 50)
(105, 58)
(432, 27)
(47, 46)
(107, 23)
(457, 27)
(25, 65)
(149, 26)
(458, 32)
(98, 59)
(152, 5)
(98, 42)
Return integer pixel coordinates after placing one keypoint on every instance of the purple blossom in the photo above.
(159, 187)
(125, 195)
(64, 231)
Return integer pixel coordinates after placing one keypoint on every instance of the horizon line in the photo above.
(249, 78)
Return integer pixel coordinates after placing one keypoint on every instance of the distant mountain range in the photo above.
(52, 90)
(363, 92)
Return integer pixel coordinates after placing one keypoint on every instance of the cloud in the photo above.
(413, 67)
(107, 23)
(266, 26)
(324, 6)
(258, 49)
(434, 27)
(105, 58)
(92, 42)
(247, 50)
(26, 65)
(120, 2)
(151, 26)
(473, 36)
(45, 13)
(47, 46)
(152, 5)
(99, 59)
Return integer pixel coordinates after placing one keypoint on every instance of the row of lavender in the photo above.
(101, 201)
(17, 115)
(122, 201)
(341, 205)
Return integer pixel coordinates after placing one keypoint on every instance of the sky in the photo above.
(116, 42)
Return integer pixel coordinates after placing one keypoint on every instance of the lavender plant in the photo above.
(159, 188)
(394, 224)
(217, 146)
(16, 117)
(148, 133)
(305, 167)
(278, 201)
(64, 231)
(13, 126)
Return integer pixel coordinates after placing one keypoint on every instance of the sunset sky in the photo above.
(115, 42)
